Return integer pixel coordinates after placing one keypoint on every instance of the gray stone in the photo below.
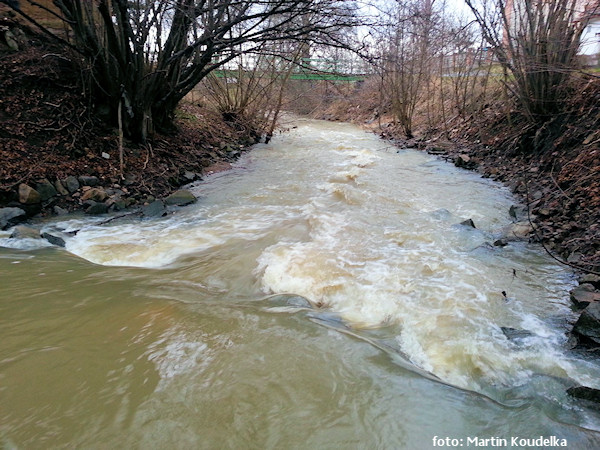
(584, 294)
(23, 232)
(468, 223)
(10, 217)
(60, 211)
(71, 183)
(60, 188)
(588, 324)
(190, 176)
(88, 180)
(97, 208)
(180, 198)
(154, 209)
(28, 195)
(54, 238)
(96, 194)
(46, 189)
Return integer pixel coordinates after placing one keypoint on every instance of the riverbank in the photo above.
(59, 155)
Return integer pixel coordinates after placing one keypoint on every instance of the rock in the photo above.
(520, 230)
(28, 195)
(500, 243)
(11, 216)
(60, 211)
(584, 294)
(468, 223)
(95, 194)
(11, 40)
(517, 212)
(154, 209)
(464, 161)
(54, 238)
(190, 176)
(23, 232)
(180, 198)
(512, 333)
(97, 208)
(60, 188)
(588, 324)
(592, 279)
(88, 180)
(45, 189)
(71, 183)
(585, 393)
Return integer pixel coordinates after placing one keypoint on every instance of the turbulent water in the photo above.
(322, 294)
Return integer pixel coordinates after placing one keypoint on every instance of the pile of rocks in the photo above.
(82, 193)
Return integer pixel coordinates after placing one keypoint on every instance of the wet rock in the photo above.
(180, 198)
(96, 209)
(585, 393)
(513, 333)
(517, 212)
(60, 188)
(45, 189)
(23, 232)
(55, 238)
(465, 162)
(584, 294)
(28, 195)
(11, 216)
(500, 243)
(88, 180)
(71, 183)
(154, 209)
(95, 194)
(468, 223)
(588, 324)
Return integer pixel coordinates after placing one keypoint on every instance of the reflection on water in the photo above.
(320, 294)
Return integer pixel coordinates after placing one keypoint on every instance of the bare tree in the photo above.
(536, 42)
(406, 58)
(145, 56)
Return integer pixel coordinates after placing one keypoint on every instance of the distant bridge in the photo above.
(314, 69)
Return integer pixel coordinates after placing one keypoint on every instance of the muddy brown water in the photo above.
(321, 294)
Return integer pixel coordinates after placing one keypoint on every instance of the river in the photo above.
(321, 294)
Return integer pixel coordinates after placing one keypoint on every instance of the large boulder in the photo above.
(11, 216)
(180, 198)
(28, 195)
(588, 324)
(45, 189)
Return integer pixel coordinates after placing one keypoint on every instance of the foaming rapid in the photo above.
(373, 234)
